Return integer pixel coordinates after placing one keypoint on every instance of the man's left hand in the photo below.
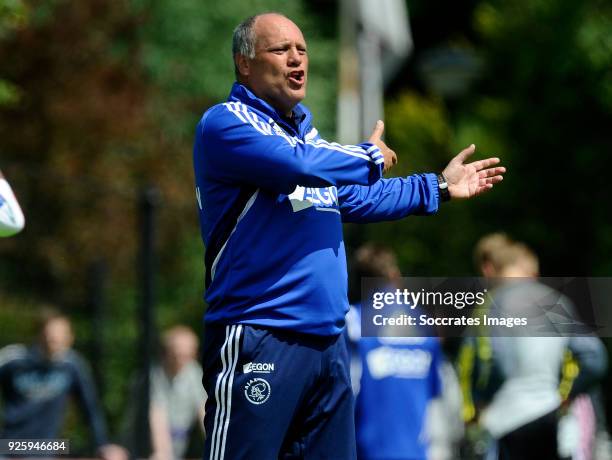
(468, 180)
(376, 139)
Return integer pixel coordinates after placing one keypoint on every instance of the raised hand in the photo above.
(468, 180)
(376, 139)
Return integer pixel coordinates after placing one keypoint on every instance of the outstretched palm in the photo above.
(468, 180)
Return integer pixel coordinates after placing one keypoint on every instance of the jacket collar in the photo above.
(301, 114)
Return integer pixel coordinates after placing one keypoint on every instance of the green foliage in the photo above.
(187, 55)
(99, 100)
(17, 319)
(419, 125)
(13, 13)
(554, 131)
(9, 94)
(542, 104)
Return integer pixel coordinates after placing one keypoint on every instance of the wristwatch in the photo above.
(443, 188)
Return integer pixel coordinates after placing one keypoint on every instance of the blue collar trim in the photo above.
(301, 115)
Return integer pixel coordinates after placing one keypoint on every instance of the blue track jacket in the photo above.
(272, 196)
(35, 391)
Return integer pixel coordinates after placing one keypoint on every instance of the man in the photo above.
(177, 398)
(35, 384)
(400, 410)
(522, 415)
(11, 216)
(272, 197)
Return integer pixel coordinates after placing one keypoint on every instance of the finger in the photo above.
(379, 129)
(491, 172)
(465, 153)
(393, 157)
(481, 164)
(483, 188)
(490, 180)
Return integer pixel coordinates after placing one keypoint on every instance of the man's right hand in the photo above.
(388, 154)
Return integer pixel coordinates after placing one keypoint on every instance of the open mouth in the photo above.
(296, 77)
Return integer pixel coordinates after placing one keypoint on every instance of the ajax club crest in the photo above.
(257, 391)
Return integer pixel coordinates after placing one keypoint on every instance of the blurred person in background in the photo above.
(272, 196)
(478, 375)
(522, 415)
(177, 396)
(36, 381)
(408, 401)
(523, 412)
(11, 217)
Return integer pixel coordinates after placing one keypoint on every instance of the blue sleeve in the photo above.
(436, 369)
(85, 390)
(389, 199)
(237, 146)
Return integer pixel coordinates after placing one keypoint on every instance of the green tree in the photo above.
(541, 103)
(109, 95)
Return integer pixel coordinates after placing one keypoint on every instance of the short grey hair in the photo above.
(243, 40)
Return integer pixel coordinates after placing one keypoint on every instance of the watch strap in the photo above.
(443, 188)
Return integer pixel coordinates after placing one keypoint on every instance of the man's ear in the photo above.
(243, 65)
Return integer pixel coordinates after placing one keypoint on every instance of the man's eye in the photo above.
(278, 51)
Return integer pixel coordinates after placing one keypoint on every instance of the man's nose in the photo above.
(294, 57)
